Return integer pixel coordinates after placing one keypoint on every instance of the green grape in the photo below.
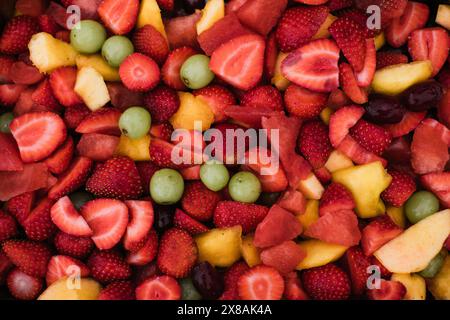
(214, 175)
(166, 186)
(116, 49)
(195, 72)
(189, 292)
(87, 36)
(421, 205)
(135, 122)
(79, 198)
(435, 265)
(244, 187)
(5, 120)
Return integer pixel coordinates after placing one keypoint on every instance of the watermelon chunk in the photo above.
(283, 257)
(34, 176)
(261, 15)
(11, 160)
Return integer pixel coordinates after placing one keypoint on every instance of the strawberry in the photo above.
(167, 5)
(24, 73)
(339, 4)
(341, 121)
(17, 33)
(76, 247)
(304, 103)
(335, 198)
(5, 266)
(118, 290)
(63, 35)
(116, 178)
(162, 103)
(141, 213)
(350, 85)
(38, 225)
(177, 253)
(159, 288)
(231, 213)
(162, 131)
(151, 42)
(48, 24)
(298, 25)
(119, 16)
(199, 202)
(372, 137)
(62, 82)
(72, 179)
(108, 266)
(357, 153)
(59, 161)
(263, 96)
(67, 219)
(430, 44)
(44, 98)
(108, 219)
(409, 122)
(20, 206)
(365, 76)
(311, 2)
(380, 231)
(8, 226)
(170, 71)
(6, 62)
(389, 290)
(254, 14)
(97, 146)
(24, 103)
(23, 286)
(401, 188)
(350, 38)
(10, 93)
(438, 183)
(390, 9)
(270, 55)
(389, 58)
(105, 120)
(293, 289)
(218, 99)
(360, 18)
(63, 266)
(284, 257)
(139, 72)
(261, 283)
(29, 256)
(443, 77)
(314, 143)
(328, 282)
(161, 152)
(231, 279)
(185, 222)
(302, 66)
(146, 253)
(31, 7)
(414, 17)
(73, 116)
(146, 171)
(357, 264)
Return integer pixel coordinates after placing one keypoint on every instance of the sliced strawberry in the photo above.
(365, 76)
(20, 206)
(29, 256)
(139, 72)
(159, 288)
(6, 63)
(151, 42)
(38, 225)
(10, 93)
(341, 121)
(270, 55)
(377, 233)
(62, 81)
(401, 188)
(25, 103)
(192, 173)
(314, 66)
(170, 71)
(162, 131)
(182, 30)
(357, 264)
(350, 85)
(97, 146)
(293, 289)
(67, 219)
(339, 4)
(304, 103)
(389, 290)
(409, 122)
(141, 213)
(73, 246)
(328, 282)
(59, 161)
(23, 286)
(438, 183)
(284, 257)
(261, 283)
(390, 9)
(63, 266)
(11, 160)
(147, 253)
(254, 14)
(22, 73)
(118, 290)
(314, 143)
(389, 58)
(185, 222)
(119, 16)
(73, 116)
(361, 18)
(105, 120)
(44, 99)
(231, 280)
(108, 265)
(108, 219)
(336, 198)
(161, 154)
(218, 99)
(357, 153)
(233, 213)
(371, 137)
(59, 14)
(17, 33)
(30, 7)
(250, 117)
(263, 96)
(8, 226)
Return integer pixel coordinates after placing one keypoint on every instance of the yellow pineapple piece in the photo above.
(337, 161)
(325, 115)
(69, 289)
(213, 11)
(439, 286)
(136, 149)
(192, 109)
(310, 215)
(397, 214)
(97, 62)
(380, 41)
(443, 16)
(311, 187)
(278, 80)
(149, 13)
(249, 252)
(91, 87)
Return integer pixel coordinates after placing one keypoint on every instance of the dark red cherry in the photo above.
(383, 109)
(422, 96)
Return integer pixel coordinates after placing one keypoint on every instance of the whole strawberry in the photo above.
(108, 265)
(314, 143)
(29, 256)
(162, 103)
(8, 226)
(151, 42)
(232, 213)
(199, 202)
(17, 34)
(328, 282)
(401, 188)
(119, 290)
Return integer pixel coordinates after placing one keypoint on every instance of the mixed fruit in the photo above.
(94, 207)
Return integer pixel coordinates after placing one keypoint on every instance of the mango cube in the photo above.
(443, 16)
(397, 214)
(249, 252)
(310, 215)
(136, 149)
(192, 109)
(337, 161)
(278, 79)
(149, 13)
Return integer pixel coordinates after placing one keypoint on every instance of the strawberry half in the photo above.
(29, 256)
(232, 213)
(159, 288)
(261, 283)
(60, 160)
(341, 121)
(389, 58)
(409, 122)
(371, 137)
(104, 121)
(6, 62)
(44, 99)
(365, 76)
(62, 81)
(38, 225)
(141, 213)
(218, 99)
(73, 246)
(335, 198)
(139, 72)
(304, 103)
(10, 93)
(199, 202)
(349, 84)
(23, 286)
(73, 116)
(263, 96)
(162, 102)
(10, 154)
(20, 206)
(23, 73)
(185, 222)
(8, 226)
(314, 143)
(357, 264)
(17, 33)
(146, 253)
(390, 9)
(67, 219)
(151, 42)
(389, 290)
(438, 183)
(119, 16)
(401, 188)
(328, 282)
(231, 280)
(170, 71)
(377, 233)
(118, 290)
(63, 266)
(108, 265)
(293, 289)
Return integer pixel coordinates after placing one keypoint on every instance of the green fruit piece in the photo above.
(116, 49)
(189, 292)
(244, 187)
(420, 205)
(79, 198)
(214, 175)
(87, 36)
(166, 186)
(5, 120)
(435, 265)
(135, 122)
(195, 72)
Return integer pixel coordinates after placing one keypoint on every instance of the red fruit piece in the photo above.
(218, 99)
(371, 137)
(232, 213)
(358, 154)
(30, 7)
(255, 14)
(147, 253)
(389, 290)
(239, 61)
(10, 93)
(292, 200)
(17, 33)
(183, 221)
(270, 56)
(73, 116)
(166, 5)
(97, 146)
(63, 266)
(170, 71)
(340, 227)
(298, 25)
(377, 233)
(23, 286)
(304, 103)
(6, 63)
(8, 226)
(122, 98)
(177, 253)
(44, 99)
(341, 121)
(146, 171)
(430, 44)
(141, 213)
(365, 76)
(139, 72)
(401, 188)
(162, 103)
(62, 82)
(314, 143)
(350, 85)
(409, 122)
(38, 225)
(29, 256)
(119, 16)
(249, 117)
(25, 103)
(108, 265)
(339, 4)
(390, 9)
(162, 131)
(73, 246)
(67, 219)
(118, 290)
(389, 58)
(261, 283)
(182, 31)
(279, 225)
(59, 161)
(108, 219)
(161, 154)
(284, 257)
(151, 42)
(48, 24)
(328, 282)
(101, 121)
(192, 173)
(20, 206)
(336, 198)
(429, 157)
(22, 73)
(159, 288)
(293, 289)
(10, 154)
(357, 264)
(199, 202)
(438, 183)
(263, 96)
(361, 18)
(231, 279)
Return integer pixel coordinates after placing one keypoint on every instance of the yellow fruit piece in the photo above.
(67, 289)
(413, 250)
(48, 53)
(326, 114)
(310, 215)
(397, 215)
(311, 187)
(91, 88)
(365, 182)
(380, 41)
(213, 11)
(319, 253)
(439, 286)
(97, 62)
(149, 13)
(381, 208)
(278, 80)
(443, 16)
(192, 109)
(414, 284)
(393, 80)
(249, 252)
(323, 30)
(220, 247)
(136, 149)
(337, 161)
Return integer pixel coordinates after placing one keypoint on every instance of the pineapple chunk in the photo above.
(48, 53)
(278, 80)
(414, 284)
(397, 215)
(97, 62)
(213, 11)
(443, 16)
(325, 115)
(150, 13)
(92, 89)
(136, 149)
(310, 215)
(337, 161)
(311, 187)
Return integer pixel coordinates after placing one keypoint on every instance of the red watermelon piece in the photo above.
(283, 257)
(34, 176)
(10, 160)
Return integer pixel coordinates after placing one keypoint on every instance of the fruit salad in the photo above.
(229, 150)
